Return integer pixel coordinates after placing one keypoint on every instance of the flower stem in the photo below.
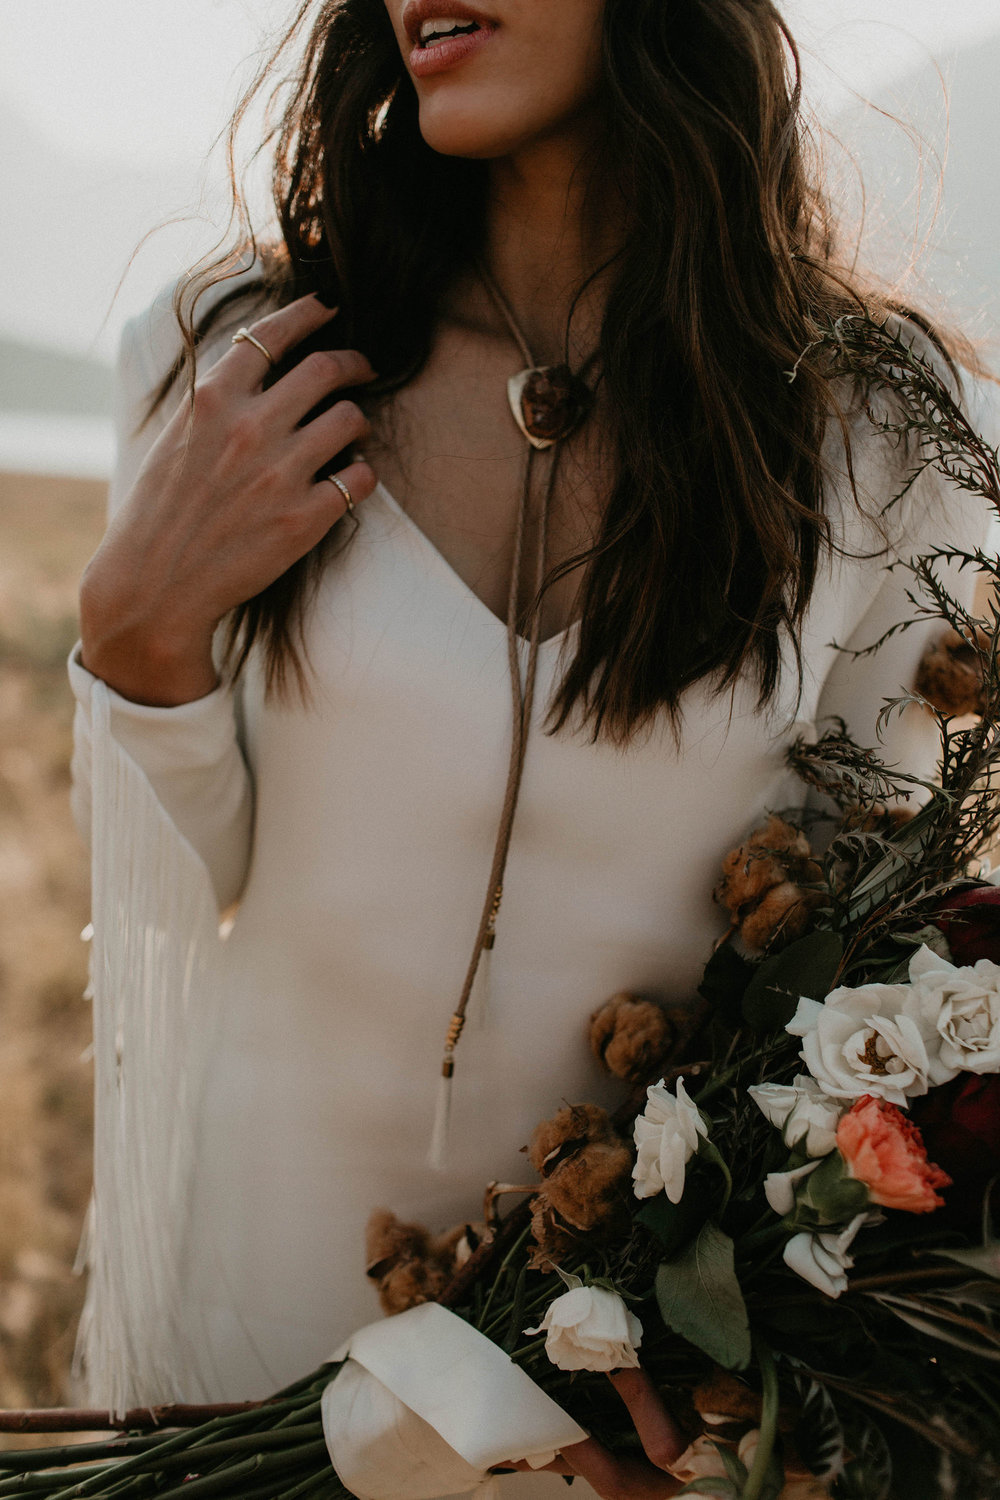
(768, 1424)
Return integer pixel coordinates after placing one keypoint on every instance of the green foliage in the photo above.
(819, 1432)
(699, 1297)
(724, 982)
(674, 1224)
(829, 1195)
(868, 1474)
(806, 967)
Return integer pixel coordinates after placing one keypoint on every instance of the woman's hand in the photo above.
(226, 501)
(629, 1478)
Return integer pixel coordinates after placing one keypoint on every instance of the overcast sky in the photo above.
(108, 109)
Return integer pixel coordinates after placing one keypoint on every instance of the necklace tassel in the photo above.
(438, 1153)
(437, 1156)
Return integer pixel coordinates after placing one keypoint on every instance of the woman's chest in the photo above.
(448, 449)
(382, 797)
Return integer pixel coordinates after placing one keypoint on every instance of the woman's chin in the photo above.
(481, 134)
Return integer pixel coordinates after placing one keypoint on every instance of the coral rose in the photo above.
(885, 1151)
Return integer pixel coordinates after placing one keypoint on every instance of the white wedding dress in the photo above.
(357, 830)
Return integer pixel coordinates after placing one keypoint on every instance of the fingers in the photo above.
(314, 377)
(619, 1478)
(359, 480)
(244, 366)
(320, 440)
(661, 1438)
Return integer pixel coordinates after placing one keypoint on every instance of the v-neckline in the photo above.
(466, 589)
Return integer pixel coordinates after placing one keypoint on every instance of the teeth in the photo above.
(443, 26)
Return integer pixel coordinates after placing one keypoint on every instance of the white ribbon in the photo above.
(425, 1404)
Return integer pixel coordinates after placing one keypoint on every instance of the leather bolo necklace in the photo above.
(547, 402)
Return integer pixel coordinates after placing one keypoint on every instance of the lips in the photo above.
(416, 12)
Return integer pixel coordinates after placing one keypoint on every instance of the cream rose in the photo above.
(966, 1005)
(824, 1259)
(878, 1039)
(590, 1328)
(666, 1137)
(801, 1111)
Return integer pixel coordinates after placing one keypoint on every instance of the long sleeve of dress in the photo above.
(191, 754)
(933, 515)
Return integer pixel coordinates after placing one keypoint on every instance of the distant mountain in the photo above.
(43, 380)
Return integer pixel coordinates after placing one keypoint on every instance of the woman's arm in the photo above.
(935, 514)
(150, 612)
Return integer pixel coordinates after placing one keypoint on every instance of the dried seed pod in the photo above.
(388, 1241)
(783, 912)
(587, 1170)
(723, 1398)
(774, 859)
(553, 1239)
(950, 675)
(632, 1037)
(409, 1263)
(590, 1189)
(575, 1126)
(410, 1283)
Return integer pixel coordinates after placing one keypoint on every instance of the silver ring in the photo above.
(244, 336)
(342, 487)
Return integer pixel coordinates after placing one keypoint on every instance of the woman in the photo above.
(464, 191)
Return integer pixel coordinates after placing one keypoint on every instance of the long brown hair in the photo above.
(714, 524)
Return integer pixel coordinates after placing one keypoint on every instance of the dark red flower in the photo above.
(960, 1124)
(970, 920)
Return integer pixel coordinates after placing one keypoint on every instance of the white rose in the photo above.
(966, 1006)
(666, 1137)
(589, 1328)
(801, 1111)
(779, 1187)
(824, 1259)
(879, 1039)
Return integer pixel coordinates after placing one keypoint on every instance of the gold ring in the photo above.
(244, 336)
(342, 487)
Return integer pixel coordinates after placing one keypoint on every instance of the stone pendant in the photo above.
(548, 403)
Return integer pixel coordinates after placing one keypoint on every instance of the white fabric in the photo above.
(152, 964)
(426, 1405)
(363, 872)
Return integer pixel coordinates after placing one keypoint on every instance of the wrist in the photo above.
(150, 663)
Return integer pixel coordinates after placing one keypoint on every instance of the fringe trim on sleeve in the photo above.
(155, 984)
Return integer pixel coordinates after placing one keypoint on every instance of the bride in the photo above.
(473, 559)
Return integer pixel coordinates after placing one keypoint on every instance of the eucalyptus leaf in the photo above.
(984, 1258)
(699, 1297)
(948, 1328)
(806, 967)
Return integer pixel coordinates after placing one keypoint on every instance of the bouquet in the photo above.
(789, 1218)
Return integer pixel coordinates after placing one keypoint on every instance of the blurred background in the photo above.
(108, 114)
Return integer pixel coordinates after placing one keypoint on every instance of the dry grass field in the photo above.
(48, 528)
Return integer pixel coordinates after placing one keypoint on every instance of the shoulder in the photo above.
(885, 486)
(152, 342)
